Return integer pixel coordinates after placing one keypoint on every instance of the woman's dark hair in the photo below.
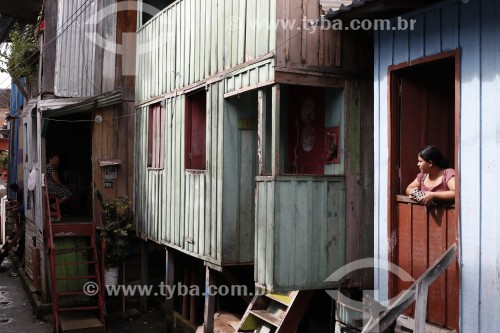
(14, 187)
(51, 155)
(433, 154)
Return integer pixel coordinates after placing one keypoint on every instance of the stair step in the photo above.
(71, 293)
(80, 323)
(81, 308)
(77, 277)
(73, 249)
(268, 317)
(280, 298)
(72, 230)
(77, 263)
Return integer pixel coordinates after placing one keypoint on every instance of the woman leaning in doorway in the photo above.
(435, 179)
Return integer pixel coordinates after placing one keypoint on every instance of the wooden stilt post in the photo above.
(144, 274)
(192, 308)
(169, 280)
(185, 297)
(209, 310)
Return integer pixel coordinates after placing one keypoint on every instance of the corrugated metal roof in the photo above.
(330, 6)
(370, 8)
(87, 104)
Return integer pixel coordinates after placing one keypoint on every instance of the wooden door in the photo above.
(423, 110)
(306, 130)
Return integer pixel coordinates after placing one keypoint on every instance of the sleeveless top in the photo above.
(443, 186)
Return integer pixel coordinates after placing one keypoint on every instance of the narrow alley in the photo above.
(16, 313)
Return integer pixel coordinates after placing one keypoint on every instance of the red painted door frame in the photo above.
(394, 142)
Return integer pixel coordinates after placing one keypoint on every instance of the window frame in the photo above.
(195, 116)
(156, 137)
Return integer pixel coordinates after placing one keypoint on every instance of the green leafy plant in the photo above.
(117, 217)
(22, 61)
(4, 160)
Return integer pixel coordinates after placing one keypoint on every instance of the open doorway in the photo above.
(424, 110)
(70, 137)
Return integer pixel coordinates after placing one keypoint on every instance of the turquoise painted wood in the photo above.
(192, 40)
(177, 207)
(473, 28)
(300, 231)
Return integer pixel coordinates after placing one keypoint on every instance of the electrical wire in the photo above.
(173, 100)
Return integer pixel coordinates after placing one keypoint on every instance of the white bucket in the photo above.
(111, 276)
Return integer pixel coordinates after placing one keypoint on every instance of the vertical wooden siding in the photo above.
(424, 234)
(300, 231)
(300, 46)
(473, 27)
(194, 39)
(75, 54)
(112, 139)
(175, 207)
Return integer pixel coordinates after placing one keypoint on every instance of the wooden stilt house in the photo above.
(254, 143)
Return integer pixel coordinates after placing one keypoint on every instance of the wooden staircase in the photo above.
(72, 251)
(275, 312)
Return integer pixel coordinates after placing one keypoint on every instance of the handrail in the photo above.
(417, 292)
(405, 199)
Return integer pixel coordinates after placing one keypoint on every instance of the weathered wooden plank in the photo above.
(201, 229)
(490, 169)
(250, 31)
(220, 163)
(432, 30)
(242, 24)
(178, 171)
(49, 50)
(417, 46)
(282, 34)
(261, 226)
(449, 27)
(401, 54)
(196, 215)
(312, 12)
(452, 274)
(263, 31)
(295, 36)
(230, 195)
(471, 225)
(193, 25)
(199, 39)
(437, 245)
(213, 169)
(182, 190)
(404, 247)
(275, 144)
(213, 38)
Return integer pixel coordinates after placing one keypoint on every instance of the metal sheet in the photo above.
(75, 59)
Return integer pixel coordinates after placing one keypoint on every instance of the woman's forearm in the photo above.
(444, 195)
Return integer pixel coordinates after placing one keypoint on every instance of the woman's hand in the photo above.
(428, 199)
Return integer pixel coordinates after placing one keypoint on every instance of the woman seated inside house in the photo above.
(55, 186)
(435, 180)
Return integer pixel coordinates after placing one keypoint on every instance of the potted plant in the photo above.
(117, 217)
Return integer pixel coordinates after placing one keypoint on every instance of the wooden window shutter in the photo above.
(195, 131)
(156, 137)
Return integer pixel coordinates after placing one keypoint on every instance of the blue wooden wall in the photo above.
(473, 27)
